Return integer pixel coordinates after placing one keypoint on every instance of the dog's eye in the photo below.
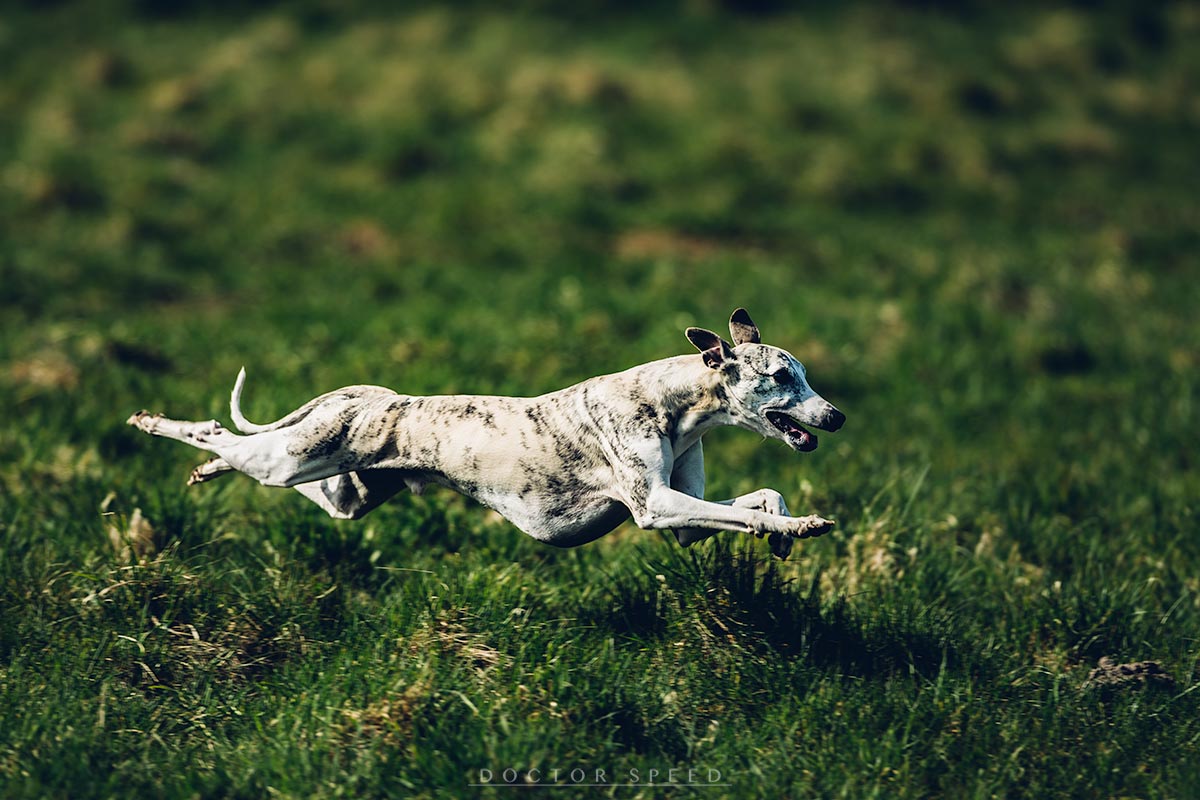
(782, 376)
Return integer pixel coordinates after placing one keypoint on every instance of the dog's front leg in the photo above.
(688, 477)
(660, 506)
(666, 508)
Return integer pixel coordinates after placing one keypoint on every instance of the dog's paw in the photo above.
(806, 528)
(813, 525)
(144, 420)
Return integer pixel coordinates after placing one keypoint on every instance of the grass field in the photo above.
(979, 230)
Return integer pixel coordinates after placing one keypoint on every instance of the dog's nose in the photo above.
(835, 419)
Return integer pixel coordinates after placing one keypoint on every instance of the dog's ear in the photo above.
(716, 351)
(742, 328)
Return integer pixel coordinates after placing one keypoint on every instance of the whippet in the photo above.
(566, 467)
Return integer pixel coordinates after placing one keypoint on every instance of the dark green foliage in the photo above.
(978, 228)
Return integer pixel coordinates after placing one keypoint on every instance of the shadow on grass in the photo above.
(744, 605)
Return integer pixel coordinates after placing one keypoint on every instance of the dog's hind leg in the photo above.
(352, 495)
(213, 468)
(339, 432)
(207, 435)
(263, 456)
(349, 495)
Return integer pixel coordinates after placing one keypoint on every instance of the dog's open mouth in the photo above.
(793, 431)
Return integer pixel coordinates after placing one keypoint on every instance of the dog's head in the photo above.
(766, 388)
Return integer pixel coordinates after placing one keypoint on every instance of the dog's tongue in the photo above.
(796, 435)
(804, 440)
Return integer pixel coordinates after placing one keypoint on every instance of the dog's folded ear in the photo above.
(716, 351)
(743, 329)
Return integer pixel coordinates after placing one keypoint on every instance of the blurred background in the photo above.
(977, 226)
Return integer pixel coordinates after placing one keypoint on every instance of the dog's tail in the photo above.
(235, 399)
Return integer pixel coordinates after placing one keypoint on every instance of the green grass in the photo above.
(978, 231)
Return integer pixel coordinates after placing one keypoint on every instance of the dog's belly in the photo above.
(563, 522)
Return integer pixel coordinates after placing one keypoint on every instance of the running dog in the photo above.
(566, 467)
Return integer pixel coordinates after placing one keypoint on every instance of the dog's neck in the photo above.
(693, 394)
